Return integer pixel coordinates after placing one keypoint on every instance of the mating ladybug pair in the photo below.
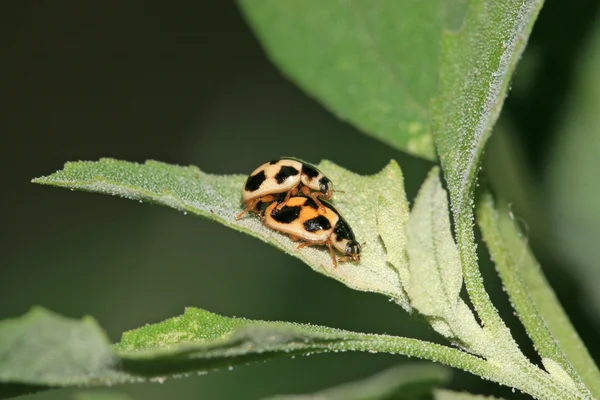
(290, 196)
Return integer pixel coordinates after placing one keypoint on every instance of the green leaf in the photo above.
(375, 66)
(436, 273)
(563, 353)
(201, 341)
(435, 268)
(406, 381)
(392, 215)
(476, 65)
(219, 198)
(43, 348)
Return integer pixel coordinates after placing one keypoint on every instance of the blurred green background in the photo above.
(188, 83)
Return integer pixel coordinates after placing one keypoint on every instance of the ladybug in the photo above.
(287, 176)
(302, 220)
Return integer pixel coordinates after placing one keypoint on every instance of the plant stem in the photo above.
(473, 280)
(516, 373)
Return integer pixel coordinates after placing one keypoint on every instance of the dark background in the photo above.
(189, 84)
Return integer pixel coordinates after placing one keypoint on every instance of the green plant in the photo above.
(425, 88)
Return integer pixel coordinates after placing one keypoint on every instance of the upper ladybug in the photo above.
(288, 176)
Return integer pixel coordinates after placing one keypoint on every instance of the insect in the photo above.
(302, 220)
(286, 175)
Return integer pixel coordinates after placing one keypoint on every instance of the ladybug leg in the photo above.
(306, 191)
(328, 243)
(294, 238)
(249, 206)
(333, 258)
(344, 259)
(354, 257)
(267, 199)
(316, 199)
(305, 244)
(289, 194)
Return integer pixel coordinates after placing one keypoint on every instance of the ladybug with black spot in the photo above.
(302, 220)
(278, 180)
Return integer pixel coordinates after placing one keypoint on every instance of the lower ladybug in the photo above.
(287, 177)
(302, 220)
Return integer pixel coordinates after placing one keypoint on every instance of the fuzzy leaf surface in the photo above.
(477, 63)
(216, 197)
(392, 215)
(435, 267)
(42, 350)
(201, 341)
(563, 353)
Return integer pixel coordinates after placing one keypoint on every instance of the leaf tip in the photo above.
(37, 311)
(434, 171)
(393, 165)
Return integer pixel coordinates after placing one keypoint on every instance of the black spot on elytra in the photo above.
(285, 172)
(317, 224)
(287, 214)
(254, 181)
(311, 203)
(273, 162)
(343, 231)
(309, 171)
